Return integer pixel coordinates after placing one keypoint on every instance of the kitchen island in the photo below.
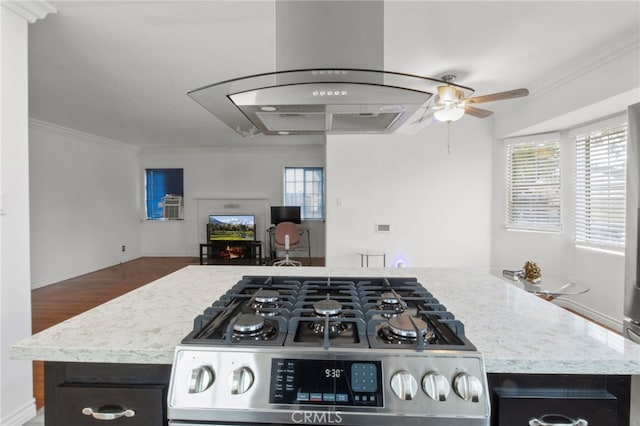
(517, 332)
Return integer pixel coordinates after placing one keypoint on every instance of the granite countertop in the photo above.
(516, 331)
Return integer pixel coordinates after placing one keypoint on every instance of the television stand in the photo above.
(231, 252)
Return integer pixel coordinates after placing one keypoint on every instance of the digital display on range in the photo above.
(326, 382)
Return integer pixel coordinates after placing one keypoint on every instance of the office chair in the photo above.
(286, 237)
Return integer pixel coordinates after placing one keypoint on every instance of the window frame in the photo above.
(533, 218)
(586, 233)
(149, 198)
(288, 200)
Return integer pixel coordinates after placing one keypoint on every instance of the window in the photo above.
(164, 193)
(533, 185)
(304, 187)
(601, 187)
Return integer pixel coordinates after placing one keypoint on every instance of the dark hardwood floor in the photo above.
(58, 302)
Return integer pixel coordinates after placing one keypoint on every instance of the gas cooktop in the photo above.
(329, 312)
(273, 349)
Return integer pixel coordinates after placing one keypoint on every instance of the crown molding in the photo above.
(65, 131)
(30, 10)
(235, 149)
(626, 43)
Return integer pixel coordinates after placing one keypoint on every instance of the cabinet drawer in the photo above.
(145, 401)
(519, 408)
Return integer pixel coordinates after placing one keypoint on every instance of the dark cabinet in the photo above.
(548, 406)
(87, 394)
(88, 405)
(580, 400)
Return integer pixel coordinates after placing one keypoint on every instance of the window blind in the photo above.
(601, 187)
(533, 186)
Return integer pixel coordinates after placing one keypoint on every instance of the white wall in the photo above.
(85, 203)
(16, 397)
(438, 205)
(249, 178)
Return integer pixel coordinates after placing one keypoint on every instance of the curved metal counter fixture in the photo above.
(549, 286)
(553, 287)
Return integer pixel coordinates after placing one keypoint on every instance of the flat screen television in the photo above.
(231, 227)
(285, 214)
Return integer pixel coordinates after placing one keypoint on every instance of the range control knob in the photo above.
(201, 379)
(404, 385)
(240, 380)
(468, 387)
(436, 386)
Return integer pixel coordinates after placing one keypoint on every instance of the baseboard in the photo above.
(598, 317)
(20, 415)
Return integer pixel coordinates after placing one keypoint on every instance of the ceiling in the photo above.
(121, 70)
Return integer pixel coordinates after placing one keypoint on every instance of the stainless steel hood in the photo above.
(331, 54)
(319, 101)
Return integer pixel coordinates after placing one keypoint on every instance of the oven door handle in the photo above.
(557, 420)
(88, 411)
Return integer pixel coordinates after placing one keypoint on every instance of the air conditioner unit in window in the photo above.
(172, 206)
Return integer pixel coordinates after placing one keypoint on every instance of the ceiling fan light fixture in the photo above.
(447, 94)
(449, 114)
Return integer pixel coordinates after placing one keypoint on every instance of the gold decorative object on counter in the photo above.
(531, 271)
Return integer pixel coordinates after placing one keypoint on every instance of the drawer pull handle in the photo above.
(88, 411)
(557, 420)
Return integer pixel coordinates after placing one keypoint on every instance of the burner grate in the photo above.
(330, 312)
(303, 332)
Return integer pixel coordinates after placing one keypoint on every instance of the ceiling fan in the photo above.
(450, 105)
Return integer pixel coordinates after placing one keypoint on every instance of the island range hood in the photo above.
(329, 78)
(319, 101)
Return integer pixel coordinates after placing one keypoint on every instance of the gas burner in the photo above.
(390, 301)
(408, 327)
(405, 329)
(253, 327)
(323, 309)
(327, 307)
(267, 296)
(335, 327)
(265, 302)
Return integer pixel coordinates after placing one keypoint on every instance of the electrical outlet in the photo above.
(383, 227)
(124, 248)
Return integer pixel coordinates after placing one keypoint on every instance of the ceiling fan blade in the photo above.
(477, 112)
(500, 96)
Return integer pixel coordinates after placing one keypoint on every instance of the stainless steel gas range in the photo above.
(327, 350)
